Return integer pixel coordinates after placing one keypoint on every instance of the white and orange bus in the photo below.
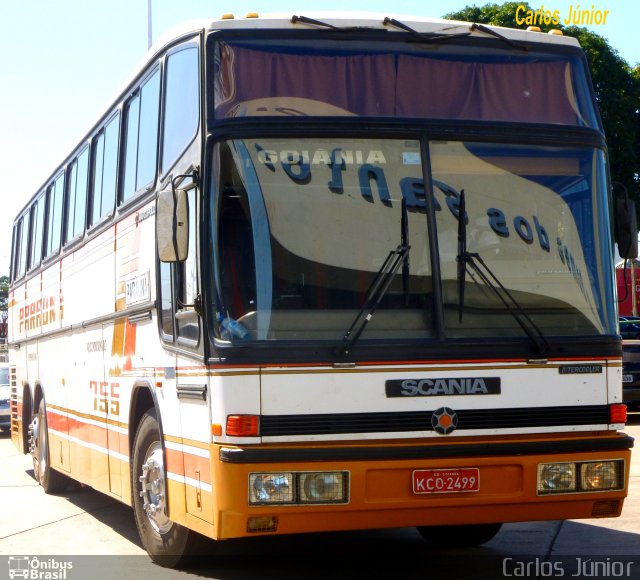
(330, 273)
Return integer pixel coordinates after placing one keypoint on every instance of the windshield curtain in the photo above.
(392, 79)
(303, 227)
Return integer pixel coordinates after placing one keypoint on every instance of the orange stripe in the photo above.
(185, 464)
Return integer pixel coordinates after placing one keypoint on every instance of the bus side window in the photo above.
(55, 198)
(105, 170)
(237, 266)
(78, 178)
(181, 108)
(22, 237)
(188, 321)
(141, 138)
(37, 218)
(166, 301)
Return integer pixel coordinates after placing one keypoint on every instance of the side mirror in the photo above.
(172, 225)
(627, 229)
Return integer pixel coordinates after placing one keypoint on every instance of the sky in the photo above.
(63, 61)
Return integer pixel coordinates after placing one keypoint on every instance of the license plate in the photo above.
(446, 480)
(627, 378)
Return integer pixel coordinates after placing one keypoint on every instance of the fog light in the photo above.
(262, 524)
(599, 476)
(270, 488)
(556, 478)
(322, 487)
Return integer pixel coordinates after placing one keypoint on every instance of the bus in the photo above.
(328, 272)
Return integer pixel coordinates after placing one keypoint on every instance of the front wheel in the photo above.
(459, 536)
(167, 543)
(52, 481)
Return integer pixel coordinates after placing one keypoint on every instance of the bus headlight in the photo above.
(601, 475)
(556, 477)
(322, 487)
(269, 488)
(582, 477)
(304, 487)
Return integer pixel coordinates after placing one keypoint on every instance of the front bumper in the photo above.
(380, 483)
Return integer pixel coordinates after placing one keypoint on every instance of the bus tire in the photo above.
(459, 536)
(52, 481)
(168, 544)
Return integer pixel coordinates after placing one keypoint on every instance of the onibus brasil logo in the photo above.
(34, 568)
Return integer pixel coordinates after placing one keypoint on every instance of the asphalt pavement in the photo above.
(84, 534)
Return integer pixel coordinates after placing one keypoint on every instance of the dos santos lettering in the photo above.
(299, 165)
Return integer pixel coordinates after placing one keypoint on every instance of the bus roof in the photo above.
(284, 21)
(371, 20)
(375, 21)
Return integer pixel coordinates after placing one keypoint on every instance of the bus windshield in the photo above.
(303, 226)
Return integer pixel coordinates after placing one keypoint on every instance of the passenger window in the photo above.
(78, 178)
(166, 304)
(188, 323)
(141, 148)
(54, 222)
(22, 245)
(105, 170)
(181, 113)
(37, 218)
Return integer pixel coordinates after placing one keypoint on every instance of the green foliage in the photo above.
(616, 85)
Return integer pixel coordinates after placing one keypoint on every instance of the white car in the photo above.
(5, 394)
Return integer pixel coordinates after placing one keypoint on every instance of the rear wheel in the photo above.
(52, 481)
(459, 536)
(167, 543)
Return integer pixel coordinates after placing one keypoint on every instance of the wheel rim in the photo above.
(34, 442)
(38, 445)
(43, 448)
(153, 489)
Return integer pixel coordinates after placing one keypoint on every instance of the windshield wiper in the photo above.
(422, 36)
(480, 268)
(306, 20)
(490, 31)
(380, 285)
(374, 296)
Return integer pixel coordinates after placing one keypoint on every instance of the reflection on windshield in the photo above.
(323, 215)
(303, 228)
(531, 214)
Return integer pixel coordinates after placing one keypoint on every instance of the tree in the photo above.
(616, 86)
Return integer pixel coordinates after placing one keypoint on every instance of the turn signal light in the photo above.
(243, 426)
(618, 413)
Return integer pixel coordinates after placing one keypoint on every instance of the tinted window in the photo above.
(37, 217)
(181, 104)
(78, 177)
(166, 311)
(105, 160)
(21, 246)
(142, 138)
(54, 221)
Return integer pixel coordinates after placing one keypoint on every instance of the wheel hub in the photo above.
(153, 490)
